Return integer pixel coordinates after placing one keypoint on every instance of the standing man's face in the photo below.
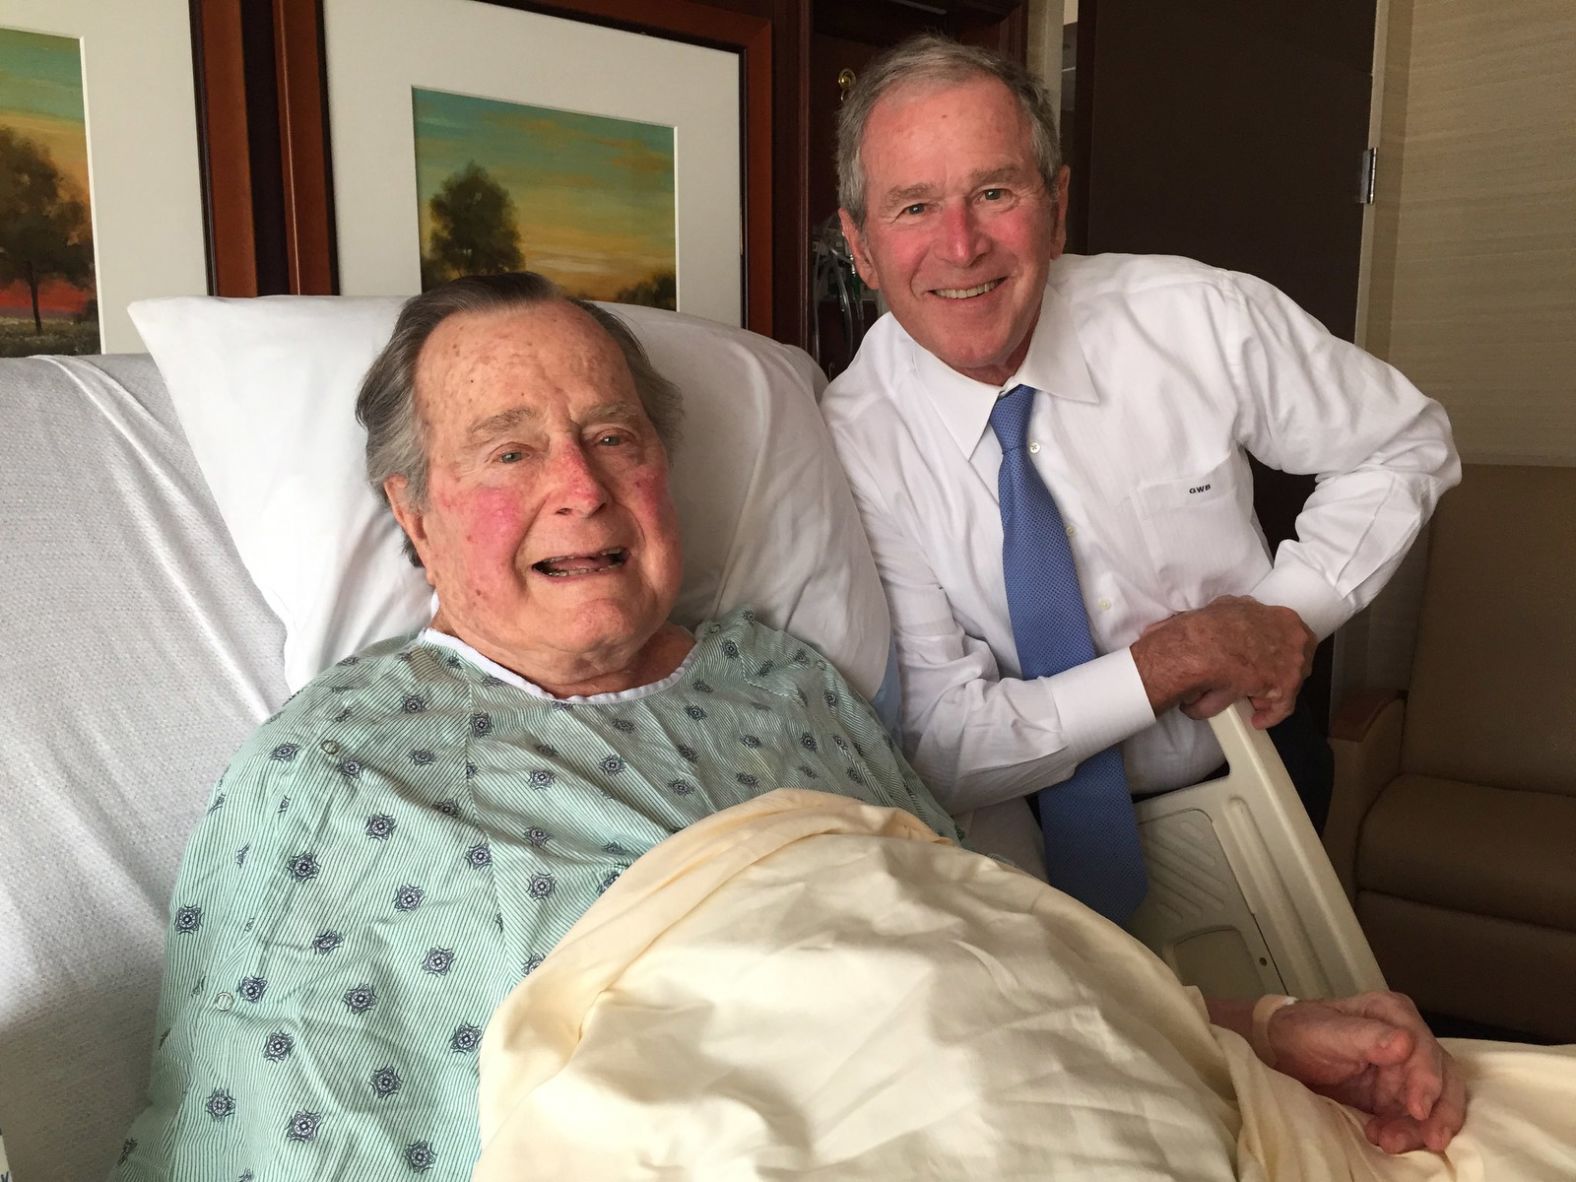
(959, 229)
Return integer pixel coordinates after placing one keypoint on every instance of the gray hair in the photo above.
(386, 406)
(932, 59)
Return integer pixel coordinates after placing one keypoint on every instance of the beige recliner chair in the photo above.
(1454, 820)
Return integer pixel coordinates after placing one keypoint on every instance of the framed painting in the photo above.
(618, 109)
(592, 198)
(613, 160)
(101, 200)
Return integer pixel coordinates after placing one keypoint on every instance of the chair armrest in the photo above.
(1359, 712)
(1365, 736)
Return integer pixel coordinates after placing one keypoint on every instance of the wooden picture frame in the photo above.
(303, 218)
(143, 171)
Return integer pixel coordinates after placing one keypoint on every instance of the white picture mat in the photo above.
(378, 50)
(143, 166)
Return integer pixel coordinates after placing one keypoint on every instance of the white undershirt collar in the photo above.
(510, 677)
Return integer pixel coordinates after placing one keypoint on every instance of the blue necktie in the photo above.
(1091, 836)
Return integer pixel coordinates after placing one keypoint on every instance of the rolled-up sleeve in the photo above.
(1382, 452)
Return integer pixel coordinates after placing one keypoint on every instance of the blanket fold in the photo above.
(808, 987)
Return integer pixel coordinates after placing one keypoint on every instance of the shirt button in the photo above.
(224, 1001)
(1105, 605)
(1072, 531)
(329, 747)
(1034, 448)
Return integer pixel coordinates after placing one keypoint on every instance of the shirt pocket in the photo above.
(1201, 534)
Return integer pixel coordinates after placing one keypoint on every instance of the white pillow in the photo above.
(265, 390)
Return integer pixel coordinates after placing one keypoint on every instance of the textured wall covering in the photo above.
(1472, 268)
(1474, 265)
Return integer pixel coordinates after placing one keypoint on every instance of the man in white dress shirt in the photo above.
(1155, 377)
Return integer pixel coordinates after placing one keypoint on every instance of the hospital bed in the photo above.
(186, 542)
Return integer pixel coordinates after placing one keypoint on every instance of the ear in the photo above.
(1059, 231)
(865, 265)
(409, 516)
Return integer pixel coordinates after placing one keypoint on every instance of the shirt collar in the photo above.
(1054, 363)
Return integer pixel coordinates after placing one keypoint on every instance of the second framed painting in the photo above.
(100, 178)
(468, 137)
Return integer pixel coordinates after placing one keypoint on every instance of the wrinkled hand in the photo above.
(1374, 1053)
(1233, 647)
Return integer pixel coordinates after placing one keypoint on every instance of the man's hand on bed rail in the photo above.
(1374, 1053)
(1233, 647)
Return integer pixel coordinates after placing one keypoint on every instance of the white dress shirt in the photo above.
(1157, 375)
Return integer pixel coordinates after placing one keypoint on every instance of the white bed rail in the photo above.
(1242, 897)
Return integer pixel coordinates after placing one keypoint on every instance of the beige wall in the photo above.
(1470, 273)
(1473, 289)
(1045, 44)
(1046, 18)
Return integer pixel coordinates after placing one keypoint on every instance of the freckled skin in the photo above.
(538, 449)
(954, 200)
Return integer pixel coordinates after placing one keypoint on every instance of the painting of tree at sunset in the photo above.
(47, 295)
(587, 201)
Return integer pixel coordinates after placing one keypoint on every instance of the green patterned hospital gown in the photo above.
(405, 840)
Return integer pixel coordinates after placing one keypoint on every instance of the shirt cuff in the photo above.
(1293, 585)
(1101, 703)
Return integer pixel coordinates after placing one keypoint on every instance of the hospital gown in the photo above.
(406, 840)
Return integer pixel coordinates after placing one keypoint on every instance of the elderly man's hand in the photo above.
(1374, 1053)
(1234, 647)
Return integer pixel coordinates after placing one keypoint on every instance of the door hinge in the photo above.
(1366, 175)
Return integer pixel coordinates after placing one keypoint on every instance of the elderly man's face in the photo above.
(548, 530)
(959, 230)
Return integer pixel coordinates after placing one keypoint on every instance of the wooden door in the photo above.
(1230, 131)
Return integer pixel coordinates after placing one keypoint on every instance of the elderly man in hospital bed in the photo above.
(710, 921)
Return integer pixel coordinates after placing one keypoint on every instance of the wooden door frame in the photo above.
(223, 139)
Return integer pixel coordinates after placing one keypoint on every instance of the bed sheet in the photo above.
(135, 656)
(808, 987)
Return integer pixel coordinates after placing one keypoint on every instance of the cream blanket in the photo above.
(808, 987)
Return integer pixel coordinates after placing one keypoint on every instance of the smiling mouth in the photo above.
(967, 293)
(565, 566)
